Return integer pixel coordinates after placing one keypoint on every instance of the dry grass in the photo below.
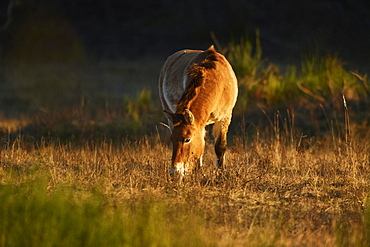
(270, 193)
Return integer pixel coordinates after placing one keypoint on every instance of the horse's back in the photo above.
(172, 79)
(220, 81)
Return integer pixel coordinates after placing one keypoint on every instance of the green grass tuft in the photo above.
(30, 216)
(319, 79)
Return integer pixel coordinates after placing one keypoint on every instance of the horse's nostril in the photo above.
(173, 171)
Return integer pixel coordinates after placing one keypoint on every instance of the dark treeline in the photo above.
(289, 29)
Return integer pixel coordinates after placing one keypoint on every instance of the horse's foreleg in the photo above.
(220, 133)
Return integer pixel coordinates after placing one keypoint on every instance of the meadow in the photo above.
(99, 193)
(95, 171)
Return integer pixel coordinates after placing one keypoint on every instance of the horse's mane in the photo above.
(206, 60)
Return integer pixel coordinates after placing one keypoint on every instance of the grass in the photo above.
(32, 216)
(319, 78)
(273, 192)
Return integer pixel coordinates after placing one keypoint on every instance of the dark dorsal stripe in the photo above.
(203, 61)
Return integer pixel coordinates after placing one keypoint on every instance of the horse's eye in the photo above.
(187, 140)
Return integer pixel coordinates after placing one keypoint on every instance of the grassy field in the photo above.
(84, 160)
(274, 191)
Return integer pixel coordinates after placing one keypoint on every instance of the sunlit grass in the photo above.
(32, 215)
(319, 78)
(274, 190)
(11, 125)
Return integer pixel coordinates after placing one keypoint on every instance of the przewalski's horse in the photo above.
(197, 88)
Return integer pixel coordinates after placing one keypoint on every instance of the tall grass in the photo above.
(319, 78)
(137, 111)
(245, 56)
(33, 216)
(273, 191)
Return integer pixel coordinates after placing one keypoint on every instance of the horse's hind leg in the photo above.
(220, 133)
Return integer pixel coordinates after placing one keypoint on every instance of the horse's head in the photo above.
(188, 142)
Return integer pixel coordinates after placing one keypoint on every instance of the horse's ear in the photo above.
(189, 117)
(176, 118)
(211, 48)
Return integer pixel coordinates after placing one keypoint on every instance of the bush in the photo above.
(318, 79)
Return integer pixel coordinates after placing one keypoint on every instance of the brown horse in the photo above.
(197, 88)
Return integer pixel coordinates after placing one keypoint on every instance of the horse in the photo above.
(197, 88)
